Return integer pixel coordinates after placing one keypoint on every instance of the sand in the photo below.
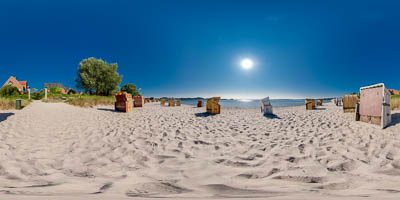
(57, 151)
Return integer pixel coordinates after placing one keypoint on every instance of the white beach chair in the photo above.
(374, 106)
(266, 106)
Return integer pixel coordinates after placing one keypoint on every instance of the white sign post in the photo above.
(29, 94)
(45, 94)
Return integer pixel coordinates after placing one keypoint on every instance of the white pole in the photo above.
(29, 94)
(45, 93)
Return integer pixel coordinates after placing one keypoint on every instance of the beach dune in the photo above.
(58, 151)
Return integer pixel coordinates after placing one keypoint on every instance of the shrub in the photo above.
(55, 90)
(9, 91)
(131, 89)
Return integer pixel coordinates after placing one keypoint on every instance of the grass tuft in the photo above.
(10, 104)
(90, 101)
(395, 102)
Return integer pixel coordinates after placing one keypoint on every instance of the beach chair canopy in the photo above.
(375, 105)
(349, 102)
(265, 102)
(310, 104)
(123, 102)
(212, 105)
(266, 106)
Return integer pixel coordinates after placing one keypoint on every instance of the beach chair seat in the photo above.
(123, 102)
(310, 104)
(138, 101)
(374, 106)
(319, 102)
(200, 103)
(349, 103)
(266, 106)
(212, 105)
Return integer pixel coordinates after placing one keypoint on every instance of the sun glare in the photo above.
(246, 64)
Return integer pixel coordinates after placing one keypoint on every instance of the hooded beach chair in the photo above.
(266, 106)
(200, 103)
(349, 103)
(162, 102)
(338, 101)
(171, 102)
(310, 104)
(138, 101)
(319, 102)
(123, 102)
(212, 105)
(178, 102)
(374, 106)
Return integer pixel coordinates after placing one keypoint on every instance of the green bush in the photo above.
(131, 89)
(9, 91)
(55, 90)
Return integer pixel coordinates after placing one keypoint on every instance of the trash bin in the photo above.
(18, 105)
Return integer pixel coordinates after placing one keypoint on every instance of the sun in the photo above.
(246, 64)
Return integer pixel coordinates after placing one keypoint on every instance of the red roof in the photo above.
(394, 91)
(23, 82)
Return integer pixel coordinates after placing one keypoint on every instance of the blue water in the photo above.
(251, 103)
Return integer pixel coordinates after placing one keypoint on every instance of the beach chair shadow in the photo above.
(271, 116)
(204, 114)
(395, 119)
(4, 116)
(109, 109)
(319, 108)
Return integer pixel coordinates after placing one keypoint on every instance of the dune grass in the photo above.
(10, 103)
(395, 102)
(90, 101)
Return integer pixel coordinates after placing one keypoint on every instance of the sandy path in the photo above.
(54, 149)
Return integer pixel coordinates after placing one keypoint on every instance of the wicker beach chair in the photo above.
(374, 106)
(171, 102)
(349, 103)
(319, 102)
(266, 106)
(123, 102)
(178, 102)
(310, 104)
(212, 105)
(138, 101)
(162, 102)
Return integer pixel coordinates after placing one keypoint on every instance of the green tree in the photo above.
(9, 91)
(131, 89)
(98, 76)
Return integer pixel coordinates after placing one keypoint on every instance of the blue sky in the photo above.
(194, 48)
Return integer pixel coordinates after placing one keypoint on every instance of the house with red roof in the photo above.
(394, 92)
(21, 85)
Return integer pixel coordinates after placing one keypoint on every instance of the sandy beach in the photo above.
(58, 151)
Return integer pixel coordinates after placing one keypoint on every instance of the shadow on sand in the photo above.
(4, 116)
(204, 114)
(108, 109)
(271, 116)
(395, 119)
(319, 108)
